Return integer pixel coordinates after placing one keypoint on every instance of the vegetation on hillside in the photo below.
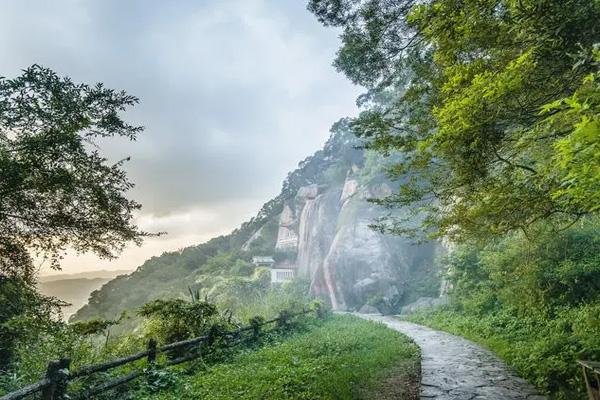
(536, 302)
(341, 358)
(220, 267)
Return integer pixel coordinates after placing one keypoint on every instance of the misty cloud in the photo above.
(233, 95)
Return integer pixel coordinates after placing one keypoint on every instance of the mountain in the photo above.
(102, 273)
(318, 224)
(73, 291)
(75, 288)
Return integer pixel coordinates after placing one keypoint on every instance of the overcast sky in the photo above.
(234, 93)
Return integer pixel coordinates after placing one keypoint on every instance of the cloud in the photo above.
(233, 95)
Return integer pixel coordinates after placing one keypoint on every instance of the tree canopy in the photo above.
(56, 189)
(495, 105)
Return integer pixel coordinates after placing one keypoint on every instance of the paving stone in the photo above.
(454, 368)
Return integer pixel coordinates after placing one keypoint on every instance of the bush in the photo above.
(535, 302)
(176, 319)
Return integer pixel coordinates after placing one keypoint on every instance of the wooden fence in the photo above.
(58, 375)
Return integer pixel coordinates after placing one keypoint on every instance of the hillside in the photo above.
(318, 224)
(76, 288)
(73, 291)
(102, 273)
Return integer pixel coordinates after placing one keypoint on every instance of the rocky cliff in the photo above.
(319, 225)
(324, 227)
(327, 229)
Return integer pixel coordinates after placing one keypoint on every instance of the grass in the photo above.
(341, 358)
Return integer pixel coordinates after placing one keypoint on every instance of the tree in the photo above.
(56, 189)
(493, 103)
(24, 314)
(177, 319)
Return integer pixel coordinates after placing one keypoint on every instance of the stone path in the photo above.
(455, 368)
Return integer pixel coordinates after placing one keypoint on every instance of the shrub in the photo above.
(535, 301)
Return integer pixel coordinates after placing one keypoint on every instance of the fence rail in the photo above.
(54, 385)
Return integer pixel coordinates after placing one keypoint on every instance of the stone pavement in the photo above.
(453, 368)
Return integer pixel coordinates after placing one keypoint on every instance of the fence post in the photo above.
(319, 310)
(151, 351)
(58, 375)
(256, 323)
(213, 332)
(283, 319)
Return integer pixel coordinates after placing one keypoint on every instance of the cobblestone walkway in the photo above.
(455, 368)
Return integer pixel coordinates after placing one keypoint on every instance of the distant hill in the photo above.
(102, 273)
(75, 288)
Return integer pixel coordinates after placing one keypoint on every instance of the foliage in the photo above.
(56, 190)
(536, 303)
(249, 298)
(25, 315)
(176, 319)
(37, 343)
(157, 380)
(167, 320)
(493, 105)
(332, 361)
(93, 326)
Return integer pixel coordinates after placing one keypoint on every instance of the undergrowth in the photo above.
(342, 357)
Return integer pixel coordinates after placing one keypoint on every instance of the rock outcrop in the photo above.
(424, 303)
(319, 224)
(347, 262)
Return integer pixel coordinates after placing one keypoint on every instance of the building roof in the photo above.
(263, 260)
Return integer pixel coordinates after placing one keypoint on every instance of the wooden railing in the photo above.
(58, 375)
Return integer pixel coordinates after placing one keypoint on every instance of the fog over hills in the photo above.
(75, 289)
(102, 273)
(317, 226)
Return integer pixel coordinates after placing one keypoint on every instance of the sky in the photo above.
(234, 93)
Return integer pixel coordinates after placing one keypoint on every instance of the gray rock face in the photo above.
(367, 309)
(287, 238)
(360, 263)
(316, 231)
(348, 263)
(252, 239)
(423, 303)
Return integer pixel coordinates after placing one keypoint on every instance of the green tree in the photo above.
(494, 104)
(24, 313)
(177, 319)
(56, 189)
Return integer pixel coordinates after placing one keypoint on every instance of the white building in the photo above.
(281, 272)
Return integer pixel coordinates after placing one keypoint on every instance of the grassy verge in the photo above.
(341, 358)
